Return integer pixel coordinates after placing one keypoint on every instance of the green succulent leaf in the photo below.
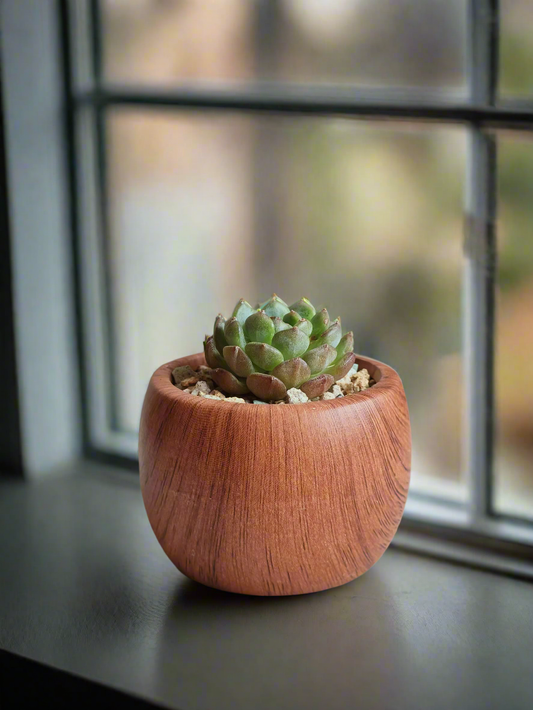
(292, 318)
(305, 325)
(279, 324)
(319, 358)
(320, 322)
(264, 356)
(275, 306)
(291, 343)
(345, 345)
(242, 310)
(229, 383)
(212, 356)
(292, 372)
(304, 308)
(259, 328)
(238, 361)
(331, 335)
(266, 387)
(261, 306)
(341, 367)
(317, 385)
(234, 333)
(218, 332)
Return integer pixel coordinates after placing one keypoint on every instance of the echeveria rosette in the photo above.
(268, 349)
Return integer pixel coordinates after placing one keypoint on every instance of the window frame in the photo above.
(88, 98)
(42, 413)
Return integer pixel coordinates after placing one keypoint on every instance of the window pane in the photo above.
(514, 342)
(516, 47)
(378, 43)
(361, 217)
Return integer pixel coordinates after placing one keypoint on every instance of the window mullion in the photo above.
(480, 255)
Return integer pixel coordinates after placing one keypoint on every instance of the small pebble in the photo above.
(205, 374)
(259, 401)
(296, 396)
(345, 381)
(362, 379)
(201, 387)
(355, 382)
(328, 395)
(181, 373)
(189, 381)
(239, 400)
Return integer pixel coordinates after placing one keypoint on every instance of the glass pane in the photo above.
(378, 43)
(364, 218)
(514, 337)
(516, 47)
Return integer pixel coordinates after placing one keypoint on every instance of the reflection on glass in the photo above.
(362, 217)
(516, 47)
(514, 336)
(378, 43)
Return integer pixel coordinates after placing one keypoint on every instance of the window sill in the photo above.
(86, 590)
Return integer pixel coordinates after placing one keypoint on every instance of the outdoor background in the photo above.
(364, 217)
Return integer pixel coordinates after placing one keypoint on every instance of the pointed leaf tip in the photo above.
(229, 383)
(265, 356)
(279, 324)
(304, 307)
(259, 327)
(234, 333)
(242, 310)
(291, 343)
(341, 367)
(292, 318)
(331, 335)
(320, 322)
(266, 387)
(218, 332)
(317, 386)
(212, 355)
(275, 307)
(345, 344)
(320, 358)
(306, 326)
(238, 361)
(292, 372)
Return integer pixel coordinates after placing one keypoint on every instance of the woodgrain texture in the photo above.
(275, 499)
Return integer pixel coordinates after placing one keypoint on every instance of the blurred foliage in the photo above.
(516, 47)
(515, 211)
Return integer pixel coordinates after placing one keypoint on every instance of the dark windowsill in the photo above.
(87, 594)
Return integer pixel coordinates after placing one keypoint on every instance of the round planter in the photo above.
(275, 499)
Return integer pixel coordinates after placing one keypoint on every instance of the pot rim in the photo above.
(386, 379)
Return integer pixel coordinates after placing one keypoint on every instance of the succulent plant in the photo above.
(268, 349)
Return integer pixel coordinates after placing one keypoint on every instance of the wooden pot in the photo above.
(275, 499)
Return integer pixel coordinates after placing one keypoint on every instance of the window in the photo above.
(358, 152)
